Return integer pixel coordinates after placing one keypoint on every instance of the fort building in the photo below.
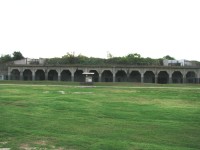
(36, 70)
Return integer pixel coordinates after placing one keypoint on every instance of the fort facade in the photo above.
(74, 73)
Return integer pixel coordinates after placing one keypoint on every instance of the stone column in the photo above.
(21, 75)
(170, 78)
(100, 77)
(156, 78)
(128, 76)
(46, 74)
(72, 74)
(9, 75)
(33, 75)
(184, 78)
(113, 77)
(142, 77)
(59, 75)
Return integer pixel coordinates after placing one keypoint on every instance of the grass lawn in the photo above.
(131, 117)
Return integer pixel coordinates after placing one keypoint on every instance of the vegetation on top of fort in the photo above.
(7, 58)
(131, 59)
(72, 59)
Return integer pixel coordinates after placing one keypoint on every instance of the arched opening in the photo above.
(27, 75)
(177, 77)
(163, 77)
(95, 77)
(53, 75)
(15, 74)
(191, 77)
(135, 76)
(66, 75)
(78, 76)
(149, 77)
(39, 75)
(121, 76)
(107, 76)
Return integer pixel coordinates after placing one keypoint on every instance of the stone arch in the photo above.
(135, 76)
(107, 76)
(40, 74)
(163, 77)
(66, 75)
(177, 77)
(95, 76)
(149, 77)
(78, 76)
(191, 77)
(15, 74)
(27, 75)
(121, 76)
(53, 75)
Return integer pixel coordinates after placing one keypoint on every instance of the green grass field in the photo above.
(123, 116)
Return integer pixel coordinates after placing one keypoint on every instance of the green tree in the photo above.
(168, 57)
(17, 55)
(5, 58)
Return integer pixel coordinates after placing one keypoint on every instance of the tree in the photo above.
(17, 55)
(5, 58)
(168, 57)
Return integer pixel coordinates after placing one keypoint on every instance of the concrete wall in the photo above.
(144, 74)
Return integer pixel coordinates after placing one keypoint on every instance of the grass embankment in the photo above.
(71, 117)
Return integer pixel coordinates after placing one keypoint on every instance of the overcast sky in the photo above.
(51, 28)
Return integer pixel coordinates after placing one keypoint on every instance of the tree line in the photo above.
(72, 59)
(15, 56)
(130, 59)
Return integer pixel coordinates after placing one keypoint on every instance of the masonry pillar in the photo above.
(184, 78)
(9, 76)
(170, 78)
(99, 77)
(46, 74)
(33, 75)
(21, 75)
(142, 77)
(128, 76)
(156, 78)
(72, 74)
(59, 75)
(114, 77)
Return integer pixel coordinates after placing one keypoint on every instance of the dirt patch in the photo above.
(3, 143)
(61, 92)
(82, 92)
(4, 148)
(27, 147)
(43, 143)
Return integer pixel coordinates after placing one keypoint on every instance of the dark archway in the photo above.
(107, 76)
(15, 74)
(66, 75)
(40, 75)
(95, 76)
(78, 76)
(53, 75)
(149, 77)
(121, 76)
(163, 77)
(177, 77)
(27, 75)
(191, 77)
(135, 76)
